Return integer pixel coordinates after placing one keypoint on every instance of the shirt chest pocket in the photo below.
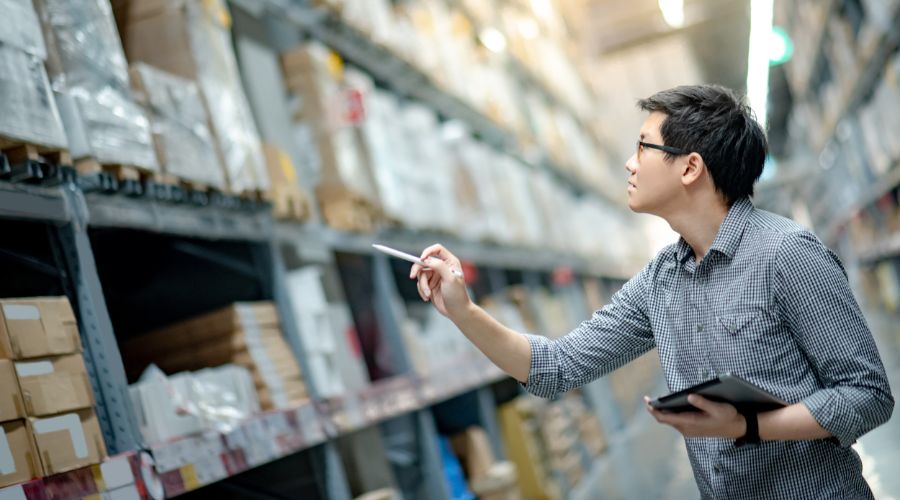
(745, 333)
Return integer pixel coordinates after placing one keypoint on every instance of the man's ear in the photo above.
(692, 169)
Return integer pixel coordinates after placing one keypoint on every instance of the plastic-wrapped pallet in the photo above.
(27, 111)
(479, 161)
(327, 116)
(472, 221)
(89, 72)
(192, 39)
(184, 145)
(192, 402)
(384, 146)
(429, 183)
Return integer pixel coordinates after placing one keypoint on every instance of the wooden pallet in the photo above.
(348, 211)
(90, 166)
(289, 203)
(253, 194)
(19, 152)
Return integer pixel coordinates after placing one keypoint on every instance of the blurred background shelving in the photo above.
(201, 182)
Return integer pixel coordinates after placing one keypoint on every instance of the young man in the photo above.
(742, 291)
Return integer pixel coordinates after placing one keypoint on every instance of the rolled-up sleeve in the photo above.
(613, 336)
(814, 295)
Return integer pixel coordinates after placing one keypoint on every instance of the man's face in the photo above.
(652, 183)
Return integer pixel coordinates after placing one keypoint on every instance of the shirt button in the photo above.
(699, 328)
(717, 469)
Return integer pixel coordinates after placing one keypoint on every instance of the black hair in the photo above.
(716, 123)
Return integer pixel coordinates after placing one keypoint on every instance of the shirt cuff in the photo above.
(833, 413)
(543, 372)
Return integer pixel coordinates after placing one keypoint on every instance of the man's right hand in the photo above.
(439, 283)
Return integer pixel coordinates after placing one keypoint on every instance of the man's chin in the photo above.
(634, 206)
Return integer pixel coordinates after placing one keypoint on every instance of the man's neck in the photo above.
(699, 225)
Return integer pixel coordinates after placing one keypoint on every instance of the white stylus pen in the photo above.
(409, 258)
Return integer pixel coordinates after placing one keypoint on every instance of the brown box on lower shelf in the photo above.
(11, 404)
(36, 327)
(18, 458)
(54, 385)
(66, 442)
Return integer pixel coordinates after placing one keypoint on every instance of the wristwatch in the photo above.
(751, 436)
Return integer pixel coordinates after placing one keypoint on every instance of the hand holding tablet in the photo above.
(726, 388)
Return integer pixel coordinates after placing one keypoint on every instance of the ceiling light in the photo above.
(758, 57)
(492, 39)
(673, 12)
(529, 28)
(542, 8)
(781, 48)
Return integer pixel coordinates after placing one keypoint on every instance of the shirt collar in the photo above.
(729, 235)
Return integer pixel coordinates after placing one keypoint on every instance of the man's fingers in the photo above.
(703, 404)
(442, 268)
(423, 286)
(434, 280)
(421, 292)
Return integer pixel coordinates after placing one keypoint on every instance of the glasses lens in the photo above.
(639, 148)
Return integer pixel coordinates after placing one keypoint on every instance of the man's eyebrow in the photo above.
(643, 135)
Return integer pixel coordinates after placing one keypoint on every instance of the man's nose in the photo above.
(631, 164)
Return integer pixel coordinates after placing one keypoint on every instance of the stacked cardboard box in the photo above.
(88, 70)
(46, 401)
(27, 111)
(562, 442)
(192, 40)
(245, 334)
(520, 426)
(289, 199)
(488, 478)
(327, 116)
(589, 428)
(319, 337)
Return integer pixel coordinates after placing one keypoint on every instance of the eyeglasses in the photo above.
(668, 149)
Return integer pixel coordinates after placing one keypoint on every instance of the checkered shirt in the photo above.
(769, 303)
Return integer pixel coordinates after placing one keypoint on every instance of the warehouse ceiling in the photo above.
(717, 30)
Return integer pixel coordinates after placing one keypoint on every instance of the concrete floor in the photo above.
(648, 460)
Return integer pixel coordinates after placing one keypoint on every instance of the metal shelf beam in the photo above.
(210, 222)
(24, 201)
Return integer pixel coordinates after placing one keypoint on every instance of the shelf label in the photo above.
(189, 477)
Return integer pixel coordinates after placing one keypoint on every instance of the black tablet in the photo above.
(726, 388)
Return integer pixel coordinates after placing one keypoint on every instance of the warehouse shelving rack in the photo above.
(291, 19)
(67, 213)
(830, 135)
(70, 214)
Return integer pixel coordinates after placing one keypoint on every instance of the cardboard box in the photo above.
(193, 40)
(246, 334)
(474, 452)
(54, 385)
(37, 327)
(18, 458)
(67, 442)
(11, 405)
